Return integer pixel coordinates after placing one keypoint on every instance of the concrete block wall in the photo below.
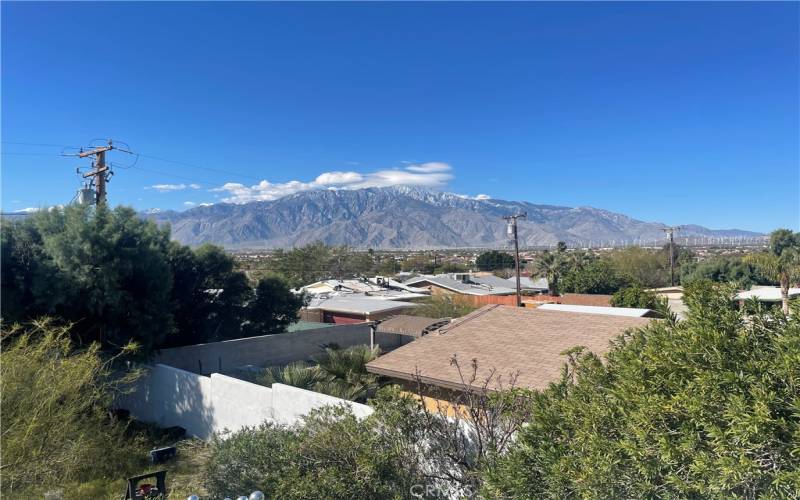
(168, 396)
(268, 350)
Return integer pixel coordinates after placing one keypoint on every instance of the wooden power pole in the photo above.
(100, 172)
(671, 231)
(512, 231)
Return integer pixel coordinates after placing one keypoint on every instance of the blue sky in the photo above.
(672, 112)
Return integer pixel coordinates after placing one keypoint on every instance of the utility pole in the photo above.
(512, 231)
(100, 173)
(671, 231)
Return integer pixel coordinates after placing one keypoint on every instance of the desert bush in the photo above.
(55, 425)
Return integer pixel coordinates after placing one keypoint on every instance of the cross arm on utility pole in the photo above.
(96, 151)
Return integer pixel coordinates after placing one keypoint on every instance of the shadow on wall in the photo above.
(169, 397)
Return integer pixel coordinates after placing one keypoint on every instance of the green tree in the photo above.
(316, 261)
(551, 265)
(781, 262)
(273, 308)
(494, 260)
(723, 269)
(208, 295)
(105, 270)
(338, 372)
(647, 267)
(637, 297)
(119, 278)
(442, 306)
(701, 408)
(596, 276)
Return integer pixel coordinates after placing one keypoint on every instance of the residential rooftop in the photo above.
(630, 312)
(766, 294)
(449, 282)
(357, 304)
(503, 341)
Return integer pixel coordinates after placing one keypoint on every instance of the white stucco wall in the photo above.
(237, 403)
(168, 396)
(291, 403)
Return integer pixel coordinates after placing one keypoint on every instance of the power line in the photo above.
(191, 165)
(42, 144)
(141, 155)
(14, 153)
(169, 174)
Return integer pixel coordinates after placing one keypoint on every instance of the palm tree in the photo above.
(339, 372)
(781, 262)
(550, 265)
(298, 374)
(347, 373)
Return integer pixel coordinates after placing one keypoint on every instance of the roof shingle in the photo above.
(508, 340)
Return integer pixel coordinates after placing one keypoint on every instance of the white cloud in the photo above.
(483, 197)
(30, 210)
(432, 175)
(338, 178)
(429, 167)
(204, 204)
(189, 203)
(166, 188)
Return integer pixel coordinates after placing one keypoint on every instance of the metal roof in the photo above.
(629, 312)
(357, 304)
(493, 281)
(530, 283)
(449, 283)
(306, 325)
(766, 294)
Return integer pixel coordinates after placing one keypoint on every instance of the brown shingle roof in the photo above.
(507, 339)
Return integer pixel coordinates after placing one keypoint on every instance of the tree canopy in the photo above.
(494, 260)
(597, 276)
(119, 278)
(701, 408)
(781, 262)
(635, 296)
(105, 270)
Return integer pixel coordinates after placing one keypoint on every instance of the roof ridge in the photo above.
(469, 317)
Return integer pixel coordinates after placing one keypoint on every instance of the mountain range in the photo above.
(404, 218)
